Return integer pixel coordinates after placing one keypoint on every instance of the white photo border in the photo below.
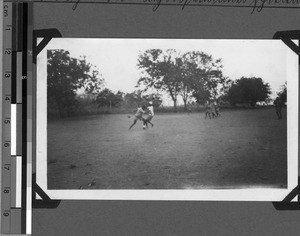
(248, 194)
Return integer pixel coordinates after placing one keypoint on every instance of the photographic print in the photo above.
(167, 119)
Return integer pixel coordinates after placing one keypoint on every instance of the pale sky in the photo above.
(116, 59)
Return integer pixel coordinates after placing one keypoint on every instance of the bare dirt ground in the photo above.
(240, 149)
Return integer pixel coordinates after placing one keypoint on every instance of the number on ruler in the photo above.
(6, 190)
(7, 75)
(6, 144)
(5, 12)
(7, 52)
(7, 166)
(7, 121)
(6, 213)
(7, 98)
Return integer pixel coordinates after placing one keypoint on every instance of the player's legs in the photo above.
(279, 114)
(214, 115)
(145, 123)
(208, 113)
(148, 120)
(134, 122)
(150, 123)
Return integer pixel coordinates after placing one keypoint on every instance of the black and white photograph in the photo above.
(168, 119)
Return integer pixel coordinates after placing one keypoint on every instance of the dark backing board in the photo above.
(163, 218)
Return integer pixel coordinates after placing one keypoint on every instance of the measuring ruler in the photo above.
(16, 147)
(6, 118)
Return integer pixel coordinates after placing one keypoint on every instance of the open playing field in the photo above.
(243, 148)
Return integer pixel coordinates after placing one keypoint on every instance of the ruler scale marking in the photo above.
(17, 62)
(15, 217)
(29, 40)
(6, 149)
(24, 161)
(20, 27)
(13, 52)
(19, 56)
(19, 127)
(13, 180)
(13, 77)
(18, 181)
(25, 39)
(23, 85)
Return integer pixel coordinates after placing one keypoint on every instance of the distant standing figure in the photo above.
(148, 119)
(213, 110)
(207, 110)
(138, 115)
(217, 107)
(189, 107)
(278, 106)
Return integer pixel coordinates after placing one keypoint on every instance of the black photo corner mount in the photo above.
(45, 201)
(287, 37)
(47, 35)
(286, 203)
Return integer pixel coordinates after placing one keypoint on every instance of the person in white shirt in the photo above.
(150, 111)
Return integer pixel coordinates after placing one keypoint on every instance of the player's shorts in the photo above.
(137, 117)
(149, 118)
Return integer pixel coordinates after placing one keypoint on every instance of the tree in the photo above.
(133, 100)
(106, 98)
(161, 72)
(192, 74)
(203, 77)
(66, 75)
(155, 98)
(248, 90)
(94, 84)
(185, 72)
(137, 98)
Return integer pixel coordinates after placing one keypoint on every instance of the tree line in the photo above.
(193, 76)
(73, 83)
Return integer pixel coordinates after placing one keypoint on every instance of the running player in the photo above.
(138, 115)
(148, 119)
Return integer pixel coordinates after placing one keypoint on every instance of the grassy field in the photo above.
(242, 148)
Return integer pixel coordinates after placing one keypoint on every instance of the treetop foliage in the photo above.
(191, 74)
(66, 75)
(248, 90)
